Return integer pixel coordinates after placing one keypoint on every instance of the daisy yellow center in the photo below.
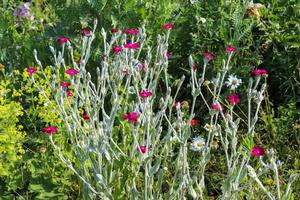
(234, 82)
(199, 144)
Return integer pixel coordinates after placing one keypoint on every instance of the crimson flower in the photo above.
(131, 45)
(208, 56)
(86, 32)
(194, 122)
(194, 66)
(145, 94)
(168, 55)
(69, 93)
(31, 70)
(131, 117)
(132, 31)
(50, 130)
(217, 107)
(62, 40)
(258, 151)
(230, 49)
(114, 30)
(168, 26)
(85, 116)
(64, 84)
(233, 99)
(117, 50)
(71, 71)
(143, 149)
(258, 72)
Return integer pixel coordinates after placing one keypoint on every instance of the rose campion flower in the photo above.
(49, 130)
(65, 84)
(86, 32)
(168, 26)
(177, 105)
(71, 71)
(31, 70)
(194, 66)
(233, 99)
(131, 45)
(143, 149)
(114, 30)
(258, 151)
(117, 50)
(217, 107)
(230, 49)
(145, 94)
(69, 93)
(208, 56)
(132, 31)
(168, 55)
(63, 40)
(131, 117)
(258, 72)
(194, 122)
(86, 117)
(125, 71)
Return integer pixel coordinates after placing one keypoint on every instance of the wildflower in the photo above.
(215, 143)
(125, 71)
(208, 57)
(131, 117)
(69, 93)
(233, 99)
(216, 107)
(198, 144)
(258, 151)
(114, 30)
(145, 94)
(194, 122)
(168, 26)
(233, 82)
(31, 70)
(131, 45)
(208, 127)
(143, 149)
(230, 49)
(65, 84)
(194, 66)
(168, 55)
(86, 32)
(50, 130)
(258, 72)
(71, 71)
(177, 105)
(63, 40)
(132, 31)
(117, 50)
(85, 116)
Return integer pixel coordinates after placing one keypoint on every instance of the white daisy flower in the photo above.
(198, 144)
(233, 82)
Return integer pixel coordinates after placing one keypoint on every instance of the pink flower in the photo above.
(85, 116)
(208, 56)
(168, 55)
(71, 71)
(145, 94)
(194, 122)
(63, 40)
(86, 32)
(125, 71)
(69, 93)
(217, 107)
(258, 151)
(143, 149)
(131, 45)
(50, 130)
(132, 31)
(168, 26)
(258, 72)
(114, 30)
(131, 117)
(177, 104)
(117, 50)
(234, 99)
(230, 49)
(31, 70)
(64, 84)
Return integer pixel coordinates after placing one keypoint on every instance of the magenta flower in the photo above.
(258, 151)
(31, 70)
(131, 117)
(71, 71)
(69, 93)
(65, 84)
(114, 30)
(131, 45)
(132, 31)
(233, 99)
(86, 117)
(208, 56)
(145, 94)
(217, 107)
(177, 104)
(117, 50)
(258, 72)
(86, 32)
(194, 66)
(143, 149)
(230, 49)
(63, 40)
(168, 55)
(49, 130)
(168, 26)
(125, 71)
